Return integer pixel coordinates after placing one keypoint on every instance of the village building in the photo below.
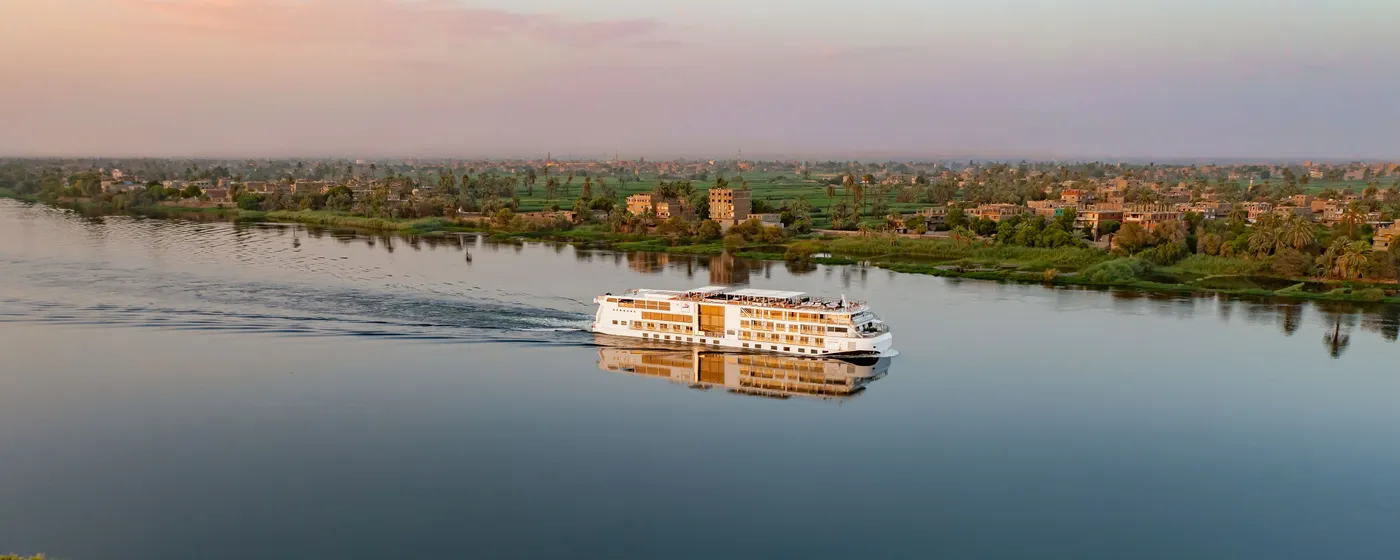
(1304, 212)
(311, 187)
(1209, 210)
(1049, 208)
(997, 212)
(730, 207)
(259, 187)
(768, 220)
(1256, 210)
(663, 209)
(1077, 197)
(667, 209)
(1385, 237)
(1150, 216)
(640, 204)
(1093, 218)
(934, 216)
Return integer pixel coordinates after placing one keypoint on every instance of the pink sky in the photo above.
(443, 77)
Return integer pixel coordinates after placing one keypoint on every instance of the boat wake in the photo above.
(195, 303)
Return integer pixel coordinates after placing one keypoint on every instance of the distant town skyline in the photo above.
(901, 79)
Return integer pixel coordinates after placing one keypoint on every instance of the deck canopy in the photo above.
(765, 294)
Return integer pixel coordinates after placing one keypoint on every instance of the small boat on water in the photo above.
(746, 319)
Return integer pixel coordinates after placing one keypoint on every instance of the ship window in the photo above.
(787, 348)
(773, 347)
(688, 339)
(614, 321)
(612, 300)
(746, 345)
(668, 337)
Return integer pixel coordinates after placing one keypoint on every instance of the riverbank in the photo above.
(977, 260)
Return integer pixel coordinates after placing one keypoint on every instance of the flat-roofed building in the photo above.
(1049, 208)
(998, 212)
(1149, 216)
(730, 206)
(1385, 237)
(1077, 197)
(669, 208)
(640, 204)
(1093, 218)
(934, 216)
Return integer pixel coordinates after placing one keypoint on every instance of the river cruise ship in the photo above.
(746, 319)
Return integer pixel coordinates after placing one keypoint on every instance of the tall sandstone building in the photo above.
(729, 206)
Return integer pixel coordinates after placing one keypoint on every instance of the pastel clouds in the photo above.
(696, 77)
(384, 23)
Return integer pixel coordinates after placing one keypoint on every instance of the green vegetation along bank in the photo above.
(1264, 271)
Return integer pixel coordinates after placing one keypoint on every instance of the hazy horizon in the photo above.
(886, 79)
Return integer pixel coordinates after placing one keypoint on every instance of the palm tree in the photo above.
(1328, 259)
(551, 186)
(1354, 260)
(1238, 213)
(1297, 232)
(1352, 218)
(963, 235)
(1263, 240)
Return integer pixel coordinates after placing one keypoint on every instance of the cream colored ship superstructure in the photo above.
(745, 319)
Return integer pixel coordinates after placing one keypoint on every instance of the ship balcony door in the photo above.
(711, 319)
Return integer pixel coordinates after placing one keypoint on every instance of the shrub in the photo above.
(1116, 270)
(1166, 254)
(1291, 263)
(1370, 294)
(250, 201)
(800, 252)
(709, 230)
(1207, 265)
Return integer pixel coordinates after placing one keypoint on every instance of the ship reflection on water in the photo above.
(763, 375)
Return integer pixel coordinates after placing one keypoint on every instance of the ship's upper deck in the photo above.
(752, 298)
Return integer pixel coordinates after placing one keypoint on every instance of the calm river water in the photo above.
(176, 390)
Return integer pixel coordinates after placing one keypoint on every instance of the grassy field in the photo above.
(1318, 185)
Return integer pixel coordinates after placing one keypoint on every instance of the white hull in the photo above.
(879, 346)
